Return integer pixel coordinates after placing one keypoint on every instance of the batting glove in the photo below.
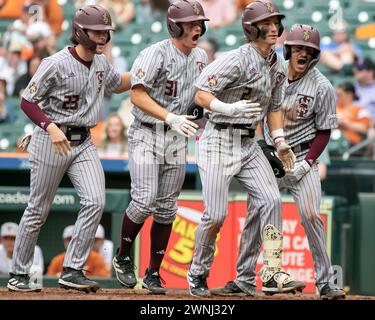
(300, 170)
(242, 108)
(286, 155)
(182, 124)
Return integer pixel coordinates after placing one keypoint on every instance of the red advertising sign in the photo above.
(297, 259)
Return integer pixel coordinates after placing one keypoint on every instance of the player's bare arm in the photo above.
(125, 83)
(142, 100)
(275, 124)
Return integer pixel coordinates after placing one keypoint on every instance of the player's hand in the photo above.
(182, 124)
(60, 143)
(242, 108)
(286, 155)
(299, 171)
(245, 108)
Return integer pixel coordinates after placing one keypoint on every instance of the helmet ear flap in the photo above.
(175, 29)
(204, 28)
(252, 32)
(281, 29)
(287, 52)
(180, 30)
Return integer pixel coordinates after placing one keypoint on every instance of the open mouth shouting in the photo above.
(195, 37)
(302, 63)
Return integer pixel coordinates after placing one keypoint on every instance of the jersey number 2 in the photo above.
(71, 102)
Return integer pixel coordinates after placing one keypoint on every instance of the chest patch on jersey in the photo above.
(303, 103)
(140, 74)
(32, 88)
(212, 81)
(200, 65)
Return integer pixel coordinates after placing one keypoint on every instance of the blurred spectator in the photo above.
(122, 11)
(23, 81)
(82, 3)
(8, 235)
(279, 47)
(220, 12)
(151, 10)
(341, 53)
(121, 65)
(31, 36)
(51, 11)
(364, 72)
(103, 246)
(11, 65)
(353, 120)
(115, 141)
(7, 113)
(114, 57)
(211, 46)
(95, 264)
(241, 4)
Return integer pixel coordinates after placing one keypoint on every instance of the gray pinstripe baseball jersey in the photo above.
(167, 74)
(157, 158)
(71, 94)
(243, 74)
(309, 105)
(223, 154)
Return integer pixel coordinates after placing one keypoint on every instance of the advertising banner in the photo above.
(297, 259)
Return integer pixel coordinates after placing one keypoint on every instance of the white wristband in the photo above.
(277, 133)
(218, 106)
(278, 136)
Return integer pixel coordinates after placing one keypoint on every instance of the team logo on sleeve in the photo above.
(212, 81)
(200, 65)
(140, 74)
(32, 88)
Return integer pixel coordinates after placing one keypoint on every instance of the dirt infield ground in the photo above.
(123, 294)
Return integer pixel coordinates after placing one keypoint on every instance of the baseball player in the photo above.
(310, 113)
(162, 90)
(240, 88)
(64, 99)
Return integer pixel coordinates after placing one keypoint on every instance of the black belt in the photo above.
(153, 126)
(224, 126)
(76, 135)
(301, 147)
